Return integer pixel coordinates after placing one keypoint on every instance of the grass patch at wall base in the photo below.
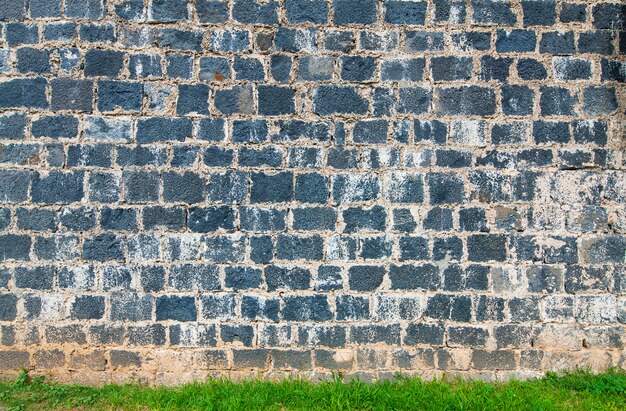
(580, 390)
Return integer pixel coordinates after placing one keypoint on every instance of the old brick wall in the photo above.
(191, 187)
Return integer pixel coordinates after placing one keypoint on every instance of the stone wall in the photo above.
(195, 187)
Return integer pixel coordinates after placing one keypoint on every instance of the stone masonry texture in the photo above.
(281, 187)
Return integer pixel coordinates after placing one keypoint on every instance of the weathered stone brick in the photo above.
(557, 42)
(411, 277)
(413, 248)
(423, 358)
(144, 66)
(352, 308)
(13, 360)
(58, 187)
(355, 12)
(531, 69)
(274, 101)
(248, 69)
(372, 334)
(595, 309)
(379, 41)
(405, 13)
(87, 307)
(597, 42)
(490, 308)
(179, 66)
(27, 93)
(571, 68)
(402, 69)
(55, 127)
(220, 307)
(612, 70)
(494, 360)
(192, 99)
(12, 126)
(14, 185)
(449, 307)
(314, 218)
(118, 219)
(604, 337)
(169, 11)
(573, 12)
(13, 10)
(365, 278)
(178, 308)
(517, 100)
(243, 334)
(179, 39)
(48, 359)
(447, 249)
(539, 13)
(445, 188)
(306, 308)
(342, 248)
(150, 130)
(256, 12)
(213, 359)
(291, 359)
(334, 360)
(30, 60)
(484, 247)
(490, 12)
(186, 188)
(599, 100)
(146, 335)
(19, 33)
(97, 33)
(355, 188)
(131, 307)
(362, 219)
(370, 132)
(422, 333)
(260, 308)
(171, 218)
(141, 186)
(291, 247)
(329, 100)
(544, 279)
(414, 100)
(465, 336)
(609, 16)
(65, 334)
(90, 9)
(125, 359)
(468, 100)
(188, 277)
(103, 63)
(392, 308)
(421, 41)
(451, 68)
(104, 247)
(8, 307)
(295, 40)
(204, 220)
(193, 335)
(357, 69)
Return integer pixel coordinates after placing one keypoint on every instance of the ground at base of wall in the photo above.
(573, 390)
(98, 366)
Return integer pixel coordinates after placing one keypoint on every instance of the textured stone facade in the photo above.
(193, 187)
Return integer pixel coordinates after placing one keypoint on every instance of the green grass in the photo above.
(580, 390)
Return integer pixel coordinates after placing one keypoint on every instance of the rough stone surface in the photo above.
(195, 187)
